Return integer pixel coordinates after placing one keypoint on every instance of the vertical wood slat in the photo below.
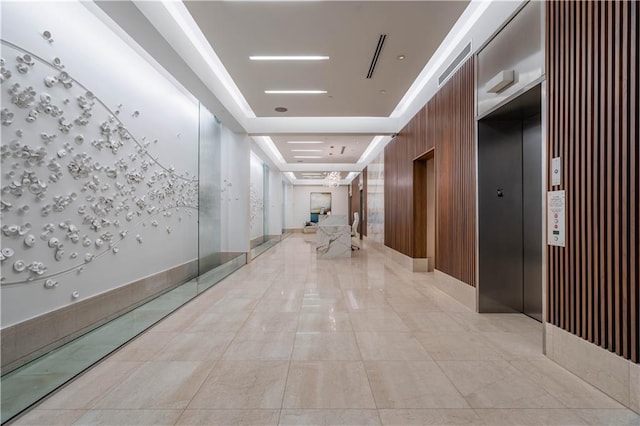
(589, 46)
(582, 82)
(595, 178)
(610, 165)
(593, 99)
(570, 150)
(618, 237)
(623, 329)
(634, 93)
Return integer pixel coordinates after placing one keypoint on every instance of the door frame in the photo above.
(420, 209)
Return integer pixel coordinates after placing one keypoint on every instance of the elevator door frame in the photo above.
(544, 175)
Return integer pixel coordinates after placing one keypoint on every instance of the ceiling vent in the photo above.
(455, 64)
(376, 55)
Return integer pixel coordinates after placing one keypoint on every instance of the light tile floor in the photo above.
(292, 340)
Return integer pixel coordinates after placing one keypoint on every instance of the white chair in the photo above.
(354, 231)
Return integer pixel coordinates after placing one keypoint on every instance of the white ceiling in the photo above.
(215, 38)
(319, 175)
(329, 150)
(345, 31)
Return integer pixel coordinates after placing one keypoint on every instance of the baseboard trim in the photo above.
(29, 339)
(455, 288)
(617, 377)
(407, 262)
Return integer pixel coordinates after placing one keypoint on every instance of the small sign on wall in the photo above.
(556, 218)
(556, 171)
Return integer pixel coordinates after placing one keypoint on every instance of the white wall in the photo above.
(274, 209)
(276, 198)
(235, 197)
(301, 202)
(288, 206)
(151, 109)
(375, 199)
(256, 197)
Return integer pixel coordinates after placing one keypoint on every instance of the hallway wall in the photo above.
(301, 202)
(593, 107)
(109, 146)
(375, 199)
(446, 124)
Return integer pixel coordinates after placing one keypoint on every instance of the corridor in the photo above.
(289, 339)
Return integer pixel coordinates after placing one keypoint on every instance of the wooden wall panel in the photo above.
(455, 167)
(398, 184)
(446, 123)
(593, 98)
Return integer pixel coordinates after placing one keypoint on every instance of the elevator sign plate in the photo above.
(556, 218)
(556, 171)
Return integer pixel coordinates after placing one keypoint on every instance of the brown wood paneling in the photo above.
(455, 176)
(398, 200)
(446, 123)
(593, 99)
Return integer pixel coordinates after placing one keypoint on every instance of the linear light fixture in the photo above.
(306, 142)
(295, 92)
(306, 150)
(307, 156)
(288, 58)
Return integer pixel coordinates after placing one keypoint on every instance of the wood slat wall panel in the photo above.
(593, 99)
(446, 123)
(455, 176)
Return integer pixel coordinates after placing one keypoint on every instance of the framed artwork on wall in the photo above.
(320, 204)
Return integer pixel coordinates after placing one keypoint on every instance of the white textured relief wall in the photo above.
(375, 199)
(99, 161)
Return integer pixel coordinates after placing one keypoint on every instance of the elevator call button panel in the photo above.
(556, 218)
(556, 171)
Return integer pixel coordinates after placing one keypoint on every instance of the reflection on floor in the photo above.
(26, 385)
(289, 339)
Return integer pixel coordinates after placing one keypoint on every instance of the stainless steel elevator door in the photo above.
(532, 216)
(500, 215)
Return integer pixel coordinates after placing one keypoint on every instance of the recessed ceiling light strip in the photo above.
(289, 58)
(306, 142)
(306, 150)
(295, 92)
(307, 156)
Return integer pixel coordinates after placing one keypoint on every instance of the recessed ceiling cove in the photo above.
(347, 32)
(321, 149)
